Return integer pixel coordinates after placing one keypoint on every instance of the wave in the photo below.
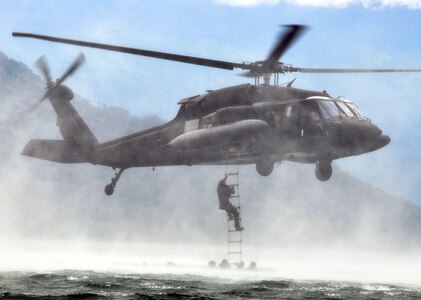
(90, 285)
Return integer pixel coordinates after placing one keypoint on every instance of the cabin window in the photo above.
(288, 111)
(191, 125)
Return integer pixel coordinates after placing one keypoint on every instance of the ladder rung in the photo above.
(235, 196)
(235, 241)
(236, 184)
(229, 219)
(233, 174)
(235, 252)
(233, 230)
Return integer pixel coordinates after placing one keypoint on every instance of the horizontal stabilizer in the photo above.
(57, 151)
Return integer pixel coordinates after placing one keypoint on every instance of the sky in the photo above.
(343, 33)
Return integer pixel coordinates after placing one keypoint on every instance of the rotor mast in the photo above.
(266, 78)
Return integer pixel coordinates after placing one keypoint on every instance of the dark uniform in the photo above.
(224, 193)
(311, 122)
(315, 123)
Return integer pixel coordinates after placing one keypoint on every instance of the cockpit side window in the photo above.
(328, 109)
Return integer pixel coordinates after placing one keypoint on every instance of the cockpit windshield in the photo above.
(341, 108)
(355, 110)
(345, 110)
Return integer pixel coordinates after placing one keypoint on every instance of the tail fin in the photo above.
(78, 138)
(72, 127)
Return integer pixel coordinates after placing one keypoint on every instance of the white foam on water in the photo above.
(374, 270)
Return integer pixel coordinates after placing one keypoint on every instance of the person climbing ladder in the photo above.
(224, 193)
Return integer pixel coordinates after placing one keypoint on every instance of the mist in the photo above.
(56, 216)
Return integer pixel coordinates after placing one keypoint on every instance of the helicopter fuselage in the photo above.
(249, 124)
(243, 124)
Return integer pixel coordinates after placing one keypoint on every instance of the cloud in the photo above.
(372, 4)
(247, 2)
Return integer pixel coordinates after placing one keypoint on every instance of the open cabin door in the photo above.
(306, 124)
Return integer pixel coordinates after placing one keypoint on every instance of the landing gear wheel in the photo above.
(323, 171)
(109, 189)
(264, 167)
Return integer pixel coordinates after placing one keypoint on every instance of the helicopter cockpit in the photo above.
(335, 118)
(339, 108)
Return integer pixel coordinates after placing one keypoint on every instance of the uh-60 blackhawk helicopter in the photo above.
(259, 124)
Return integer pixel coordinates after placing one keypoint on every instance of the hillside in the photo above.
(40, 199)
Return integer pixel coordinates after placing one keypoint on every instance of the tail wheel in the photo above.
(323, 170)
(109, 189)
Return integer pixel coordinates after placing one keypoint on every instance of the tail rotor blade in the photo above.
(72, 68)
(34, 106)
(42, 65)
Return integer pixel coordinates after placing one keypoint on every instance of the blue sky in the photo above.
(344, 33)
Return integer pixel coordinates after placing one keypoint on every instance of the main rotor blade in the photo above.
(161, 55)
(319, 70)
(72, 68)
(42, 65)
(286, 40)
(249, 74)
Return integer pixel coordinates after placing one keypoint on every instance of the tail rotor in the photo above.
(52, 86)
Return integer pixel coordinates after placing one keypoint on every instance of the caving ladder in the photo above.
(235, 238)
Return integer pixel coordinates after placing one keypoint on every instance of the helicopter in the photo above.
(261, 124)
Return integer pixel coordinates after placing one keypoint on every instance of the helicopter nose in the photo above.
(364, 135)
(373, 139)
(354, 134)
(368, 133)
